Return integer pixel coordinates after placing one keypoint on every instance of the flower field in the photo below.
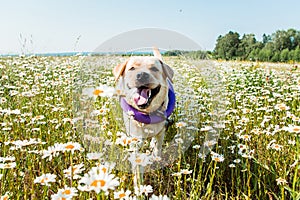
(235, 133)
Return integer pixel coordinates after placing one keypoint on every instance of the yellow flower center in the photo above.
(96, 182)
(276, 146)
(97, 92)
(74, 169)
(246, 136)
(180, 124)
(101, 111)
(296, 129)
(7, 166)
(70, 146)
(44, 180)
(282, 106)
(122, 195)
(67, 192)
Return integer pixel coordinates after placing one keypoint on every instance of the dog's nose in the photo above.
(142, 76)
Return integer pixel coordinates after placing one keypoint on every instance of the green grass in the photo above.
(239, 137)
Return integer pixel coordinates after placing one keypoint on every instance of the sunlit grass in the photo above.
(238, 127)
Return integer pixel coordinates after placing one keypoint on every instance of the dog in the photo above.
(147, 96)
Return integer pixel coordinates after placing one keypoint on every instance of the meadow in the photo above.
(235, 133)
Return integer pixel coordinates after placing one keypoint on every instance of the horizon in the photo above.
(77, 26)
(86, 53)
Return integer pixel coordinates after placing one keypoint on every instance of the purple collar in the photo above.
(154, 117)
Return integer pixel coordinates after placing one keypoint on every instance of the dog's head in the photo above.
(143, 79)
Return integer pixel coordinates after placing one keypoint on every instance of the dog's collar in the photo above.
(154, 117)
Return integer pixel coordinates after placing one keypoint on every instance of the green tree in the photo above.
(291, 55)
(297, 54)
(265, 54)
(275, 57)
(294, 37)
(266, 38)
(289, 39)
(283, 45)
(284, 55)
(281, 40)
(254, 54)
(247, 44)
(227, 46)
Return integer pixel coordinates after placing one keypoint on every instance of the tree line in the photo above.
(281, 46)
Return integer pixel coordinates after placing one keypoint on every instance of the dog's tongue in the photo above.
(141, 97)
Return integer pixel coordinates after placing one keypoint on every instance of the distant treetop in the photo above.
(281, 46)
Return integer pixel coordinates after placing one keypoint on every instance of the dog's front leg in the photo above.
(158, 143)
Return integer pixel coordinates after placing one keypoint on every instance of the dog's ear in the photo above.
(119, 70)
(168, 71)
(156, 53)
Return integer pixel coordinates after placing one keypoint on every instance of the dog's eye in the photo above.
(154, 69)
(131, 69)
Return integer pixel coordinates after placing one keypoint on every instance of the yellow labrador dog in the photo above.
(147, 96)
(147, 99)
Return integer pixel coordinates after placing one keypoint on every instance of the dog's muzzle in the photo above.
(145, 95)
(142, 77)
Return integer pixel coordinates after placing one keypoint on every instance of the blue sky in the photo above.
(55, 25)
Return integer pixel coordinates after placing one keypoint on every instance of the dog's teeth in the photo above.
(149, 94)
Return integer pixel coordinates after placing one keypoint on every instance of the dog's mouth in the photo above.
(145, 95)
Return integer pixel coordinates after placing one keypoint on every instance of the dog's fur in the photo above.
(144, 74)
